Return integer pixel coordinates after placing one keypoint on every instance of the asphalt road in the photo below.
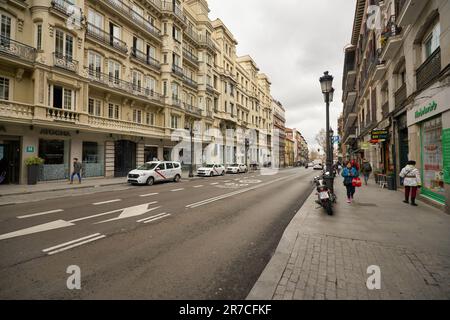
(204, 239)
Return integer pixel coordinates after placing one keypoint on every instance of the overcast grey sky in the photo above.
(294, 42)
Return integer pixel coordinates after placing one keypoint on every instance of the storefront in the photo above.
(429, 132)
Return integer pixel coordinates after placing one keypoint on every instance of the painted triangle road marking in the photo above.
(133, 212)
(58, 224)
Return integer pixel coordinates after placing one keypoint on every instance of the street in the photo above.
(202, 239)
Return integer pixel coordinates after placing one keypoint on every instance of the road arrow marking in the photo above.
(133, 212)
(40, 214)
(36, 229)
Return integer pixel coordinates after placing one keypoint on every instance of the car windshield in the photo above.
(234, 165)
(148, 166)
(209, 166)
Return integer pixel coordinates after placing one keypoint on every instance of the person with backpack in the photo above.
(349, 173)
(366, 170)
(412, 182)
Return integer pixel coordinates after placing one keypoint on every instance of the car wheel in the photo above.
(211, 174)
(177, 178)
(223, 173)
(150, 181)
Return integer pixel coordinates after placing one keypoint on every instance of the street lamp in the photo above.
(247, 144)
(326, 83)
(191, 132)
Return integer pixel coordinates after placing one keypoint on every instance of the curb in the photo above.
(266, 285)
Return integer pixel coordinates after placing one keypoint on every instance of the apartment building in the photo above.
(116, 83)
(279, 133)
(396, 90)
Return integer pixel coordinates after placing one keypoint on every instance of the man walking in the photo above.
(76, 170)
(366, 170)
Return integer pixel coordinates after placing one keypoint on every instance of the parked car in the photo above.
(237, 168)
(318, 166)
(211, 170)
(155, 171)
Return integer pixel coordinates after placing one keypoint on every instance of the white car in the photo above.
(211, 170)
(318, 166)
(157, 171)
(237, 168)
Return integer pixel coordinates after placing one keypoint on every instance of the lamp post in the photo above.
(247, 144)
(326, 83)
(191, 133)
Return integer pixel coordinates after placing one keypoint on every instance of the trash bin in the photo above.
(391, 182)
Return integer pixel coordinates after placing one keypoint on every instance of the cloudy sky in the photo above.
(294, 42)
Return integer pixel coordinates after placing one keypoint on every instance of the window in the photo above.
(113, 111)
(95, 19)
(137, 116)
(175, 90)
(95, 107)
(115, 32)
(5, 28)
(150, 119)
(61, 98)
(174, 122)
(95, 64)
(432, 41)
(137, 80)
(39, 37)
(176, 60)
(177, 34)
(4, 88)
(114, 71)
(63, 45)
(150, 85)
(169, 166)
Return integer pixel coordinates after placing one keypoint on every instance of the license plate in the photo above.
(324, 195)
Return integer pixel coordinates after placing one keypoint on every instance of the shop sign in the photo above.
(446, 154)
(30, 149)
(365, 145)
(427, 108)
(379, 135)
(52, 132)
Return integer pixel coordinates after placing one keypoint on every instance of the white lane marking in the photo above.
(132, 212)
(214, 184)
(207, 201)
(201, 186)
(152, 217)
(176, 190)
(156, 219)
(76, 245)
(39, 228)
(148, 195)
(40, 214)
(70, 242)
(106, 202)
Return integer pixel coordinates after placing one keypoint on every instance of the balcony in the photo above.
(65, 62)
(56, 114)
(385, 109)
(410, 12)
(350, 81)
(209, 114)
(175, 11)
(191, 83)
(106, 38)
(189, 56)
(207, 42)
(380, 71)
(177, 71)
(63, 6)
(112, 82)
(114, 125)
(145, 59)
(193, 110)
(135, 17)
(391, 40)
(190, 33)
(210, 88)
(17, 50)
(400, 96)
(16, 110)
(176, 102)
(429, 70)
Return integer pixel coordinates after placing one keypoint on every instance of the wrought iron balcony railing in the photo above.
(177, 70)
(400, 96)
(145, 58)
(106, 38)
(385, 109)
(190, 56)
(190, 82)
(113, 82)
(65, 62)
(134, 16)
(167, 6)
(191, 109)
(63, 6)
(17, 49)
(429, 70)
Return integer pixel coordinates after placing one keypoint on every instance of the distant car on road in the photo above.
(237, 168)
(211, 170)
(318, 166)
(155, 171)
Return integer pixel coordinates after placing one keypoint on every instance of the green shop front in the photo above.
(429, 135)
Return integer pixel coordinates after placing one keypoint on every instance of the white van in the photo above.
(155, 171)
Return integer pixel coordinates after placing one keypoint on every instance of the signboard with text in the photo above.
(379, 135)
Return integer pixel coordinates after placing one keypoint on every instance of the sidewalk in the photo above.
(12, 190)
(322, 257)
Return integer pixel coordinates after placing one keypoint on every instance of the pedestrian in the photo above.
(412, 182)
(366, 170)
(339, 168)
(76, 170)
(349, 173)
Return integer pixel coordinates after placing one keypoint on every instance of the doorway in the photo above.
(150, 154)
(125, 159)
(9, 162)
